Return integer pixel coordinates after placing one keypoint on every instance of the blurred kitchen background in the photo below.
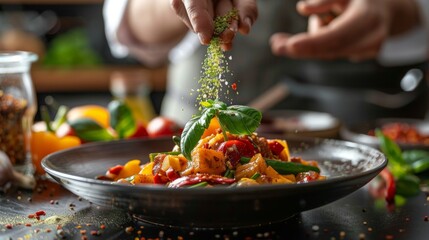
(68, 36)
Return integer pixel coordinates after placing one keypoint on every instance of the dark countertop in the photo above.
(357, 216)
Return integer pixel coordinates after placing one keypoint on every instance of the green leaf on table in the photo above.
(411, 156)
(193, 131)
(407, 185)
(90, 131)
(121, 119)
(390, 148)
(421, 165)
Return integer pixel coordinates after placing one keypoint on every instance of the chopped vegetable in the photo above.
(286, 167)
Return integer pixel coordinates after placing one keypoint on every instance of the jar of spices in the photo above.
(17, 107)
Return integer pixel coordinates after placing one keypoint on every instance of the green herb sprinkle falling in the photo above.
(215, 65)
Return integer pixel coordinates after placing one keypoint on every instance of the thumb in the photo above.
(308, 7)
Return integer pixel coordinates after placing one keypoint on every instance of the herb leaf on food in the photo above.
(193, 131)
(241, 120)
(236, 119)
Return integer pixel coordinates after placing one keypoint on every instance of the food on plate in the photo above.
(403, 132)
(219, 147)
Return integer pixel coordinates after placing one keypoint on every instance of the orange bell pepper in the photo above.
(45, 142)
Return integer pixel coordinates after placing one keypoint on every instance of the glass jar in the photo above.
(17, 107)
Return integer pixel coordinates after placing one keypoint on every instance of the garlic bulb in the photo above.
(8, 174)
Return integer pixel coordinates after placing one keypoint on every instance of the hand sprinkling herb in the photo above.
(236, 119)
(215, 65)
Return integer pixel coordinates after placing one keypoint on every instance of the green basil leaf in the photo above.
(193, 131)
(90, 131)
(218, 105)
(239, 120)
(421, 165)
(390, 148)
(408, 185)
(121, 119)
(411, 156)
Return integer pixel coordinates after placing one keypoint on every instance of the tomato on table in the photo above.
(162, 126)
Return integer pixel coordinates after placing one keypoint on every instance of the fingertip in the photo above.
(227, 36)
(301, 7)
(245, 26)
(226, 46)
(204, 38)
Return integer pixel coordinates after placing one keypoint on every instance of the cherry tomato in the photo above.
(235, 149)
(162, 126)
(139, 132)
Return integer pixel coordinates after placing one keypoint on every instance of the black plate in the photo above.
(347, 165)
(359, 133)
(293, 123)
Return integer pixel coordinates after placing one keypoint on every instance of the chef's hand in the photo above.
(198, 15)
(353, 29)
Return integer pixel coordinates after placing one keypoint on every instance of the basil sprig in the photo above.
(401, 166)
(236, 119)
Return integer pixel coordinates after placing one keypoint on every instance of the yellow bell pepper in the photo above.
(45, 142)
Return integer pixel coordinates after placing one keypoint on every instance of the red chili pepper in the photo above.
(390, 185)
(234, 86)
(276, 147)
(116, 169)
(40, 213)
(200, 177)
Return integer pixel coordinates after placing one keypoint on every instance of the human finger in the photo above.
(342, 31)
(308, 7)
(226, 46)
(223, 7)
(179, 8)
(363, 48)
(314, 23)
(200, 16)
(248, 13)
(279, 44)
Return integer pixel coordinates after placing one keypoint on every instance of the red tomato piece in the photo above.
(116, 169)
(235, 149)
(276, 147)
(162, 126)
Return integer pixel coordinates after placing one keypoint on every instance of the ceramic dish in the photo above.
(359, 133)
(300, 123)
(347, 165)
